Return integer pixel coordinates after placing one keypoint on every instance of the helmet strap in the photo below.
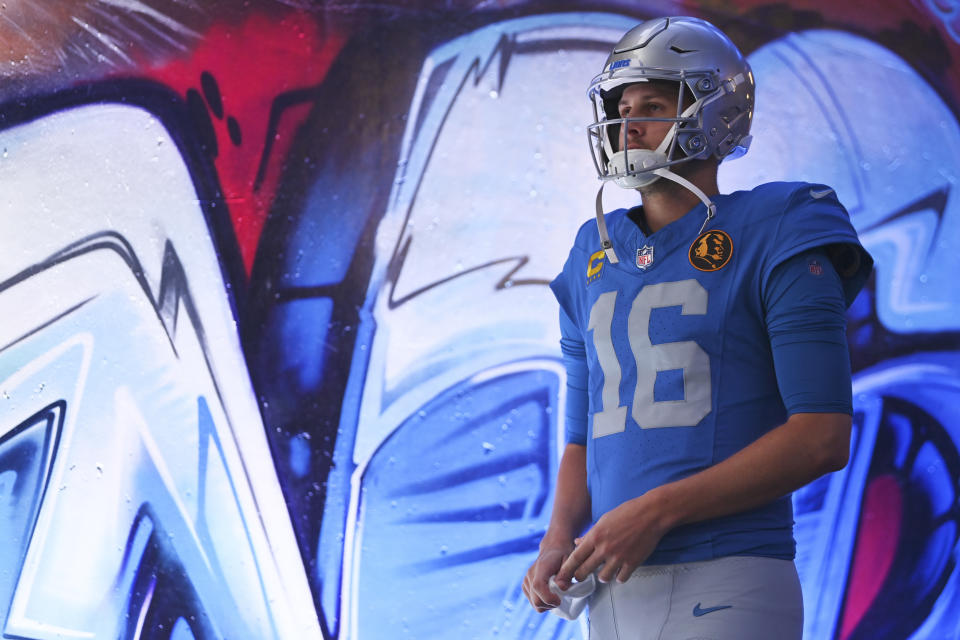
(605, 243)
(697, 191)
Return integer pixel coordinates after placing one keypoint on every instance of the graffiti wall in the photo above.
(278, 358)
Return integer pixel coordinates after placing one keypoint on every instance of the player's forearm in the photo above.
(571, 503)
(807, 446)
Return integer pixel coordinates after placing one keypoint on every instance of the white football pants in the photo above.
(733, 598)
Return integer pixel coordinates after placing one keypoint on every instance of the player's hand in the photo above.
(619, 542)
(535, 583)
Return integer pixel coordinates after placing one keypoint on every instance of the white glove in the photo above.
(573, 600)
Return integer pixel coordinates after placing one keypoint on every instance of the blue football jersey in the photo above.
(681, 372)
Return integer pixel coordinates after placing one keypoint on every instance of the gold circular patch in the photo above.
(711, 251)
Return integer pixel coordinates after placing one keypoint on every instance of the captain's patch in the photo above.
(595, 266)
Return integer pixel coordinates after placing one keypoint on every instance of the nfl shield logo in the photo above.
(644, 257)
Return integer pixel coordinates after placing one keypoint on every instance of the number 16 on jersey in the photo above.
(650, 359)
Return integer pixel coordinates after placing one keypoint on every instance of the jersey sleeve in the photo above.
(814, 218)
(805, 316)
(575, 363)
(569, 288)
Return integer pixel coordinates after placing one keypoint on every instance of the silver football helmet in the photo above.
(712, 78)
(715, 95)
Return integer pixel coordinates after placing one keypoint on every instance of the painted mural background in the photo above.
(277, 354)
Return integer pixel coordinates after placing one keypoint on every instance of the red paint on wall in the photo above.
(876, 547)
(253, 62)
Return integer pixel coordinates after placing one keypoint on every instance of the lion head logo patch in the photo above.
(711, 250)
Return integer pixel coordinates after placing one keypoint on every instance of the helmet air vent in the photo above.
(640, 36)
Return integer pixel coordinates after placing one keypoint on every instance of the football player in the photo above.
(708, 373)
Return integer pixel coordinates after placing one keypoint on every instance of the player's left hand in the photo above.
(619, 542)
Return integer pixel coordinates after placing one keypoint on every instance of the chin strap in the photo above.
(605, 243)
(683, 182)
